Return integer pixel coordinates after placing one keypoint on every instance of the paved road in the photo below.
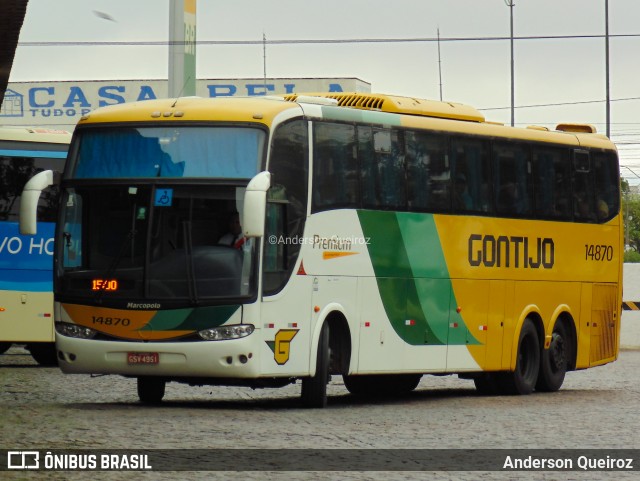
(41, 408)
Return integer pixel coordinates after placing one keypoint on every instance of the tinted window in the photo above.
(14, 174)
(605, 168)
(512, 169)
(335, 166)
(552, 183)
(427, 161)
(287, 203)
(381, 155)
(583, 192)
(471, 176)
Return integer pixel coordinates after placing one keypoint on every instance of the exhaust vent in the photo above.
(398, 105)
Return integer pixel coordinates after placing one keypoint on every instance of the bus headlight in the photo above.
(226, 332)
(74, 330)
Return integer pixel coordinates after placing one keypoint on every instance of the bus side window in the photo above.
(471, 178)
(427, 164)
(583, 198)
(512, 173)
(552, 183)
(607, 192)
(286, 203)
(335, 166)
(381, 159)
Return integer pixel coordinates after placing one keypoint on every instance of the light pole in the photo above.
(510, 4)
(608, 106)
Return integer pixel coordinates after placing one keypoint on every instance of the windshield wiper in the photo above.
(188, 247)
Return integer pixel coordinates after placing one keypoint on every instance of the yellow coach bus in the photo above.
(262, 241)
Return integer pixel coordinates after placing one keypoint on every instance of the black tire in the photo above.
(44, 353)
(523, 379)
(151, 389)
(381, 385)
(314, 388)
(555, 360)
(4, 347)
(487, 384)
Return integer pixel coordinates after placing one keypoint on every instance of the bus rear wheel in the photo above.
(554, 361)
(523, 379)
(4, 347)
(314, 388)
(151, 389)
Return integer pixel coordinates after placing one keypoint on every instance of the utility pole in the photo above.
(264, 61)
(510, 4)
(606, 41)
(439, 65)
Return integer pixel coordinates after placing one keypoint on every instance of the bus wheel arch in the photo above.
(559, 357)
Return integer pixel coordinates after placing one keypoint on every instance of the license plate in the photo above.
(143, 358)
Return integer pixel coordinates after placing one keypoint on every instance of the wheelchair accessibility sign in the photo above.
(163, 198)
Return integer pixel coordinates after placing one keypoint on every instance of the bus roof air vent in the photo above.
(399, 105)
(577, 128)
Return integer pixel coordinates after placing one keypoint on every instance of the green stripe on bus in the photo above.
(412, 276)
(190, 319)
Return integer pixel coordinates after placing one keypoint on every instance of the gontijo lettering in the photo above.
(511, 251)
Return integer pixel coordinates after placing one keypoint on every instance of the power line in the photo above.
(161, 43)
(560, 103)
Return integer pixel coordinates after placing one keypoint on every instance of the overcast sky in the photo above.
(568, 73)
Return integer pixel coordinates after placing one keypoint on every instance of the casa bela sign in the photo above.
(61, 104)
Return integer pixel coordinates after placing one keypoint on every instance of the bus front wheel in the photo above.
(44, 353)
(151, 389)
(381, 385)
(314, 388)
(523, 379)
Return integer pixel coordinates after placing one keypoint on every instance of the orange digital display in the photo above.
(104, 285)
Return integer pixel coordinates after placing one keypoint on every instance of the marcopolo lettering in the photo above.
(511, 251)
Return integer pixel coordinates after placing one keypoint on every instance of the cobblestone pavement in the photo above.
(41, 408)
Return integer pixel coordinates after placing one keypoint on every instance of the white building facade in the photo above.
(61, 104)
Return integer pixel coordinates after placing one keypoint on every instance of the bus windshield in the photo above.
(173, 151)
(164, 243)
(148, 211)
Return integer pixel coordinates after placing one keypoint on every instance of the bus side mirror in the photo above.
(255, 205)
(30, 198)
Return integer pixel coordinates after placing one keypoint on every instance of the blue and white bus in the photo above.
(26, 290)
